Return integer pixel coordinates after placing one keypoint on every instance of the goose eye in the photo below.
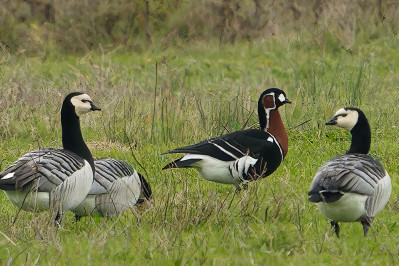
(85, 101)
(344, 115)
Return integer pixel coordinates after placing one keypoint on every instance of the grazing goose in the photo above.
(56, 179)
(117, 187)
(242, 156)
(354, 186)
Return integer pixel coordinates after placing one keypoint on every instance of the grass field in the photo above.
(202, 91)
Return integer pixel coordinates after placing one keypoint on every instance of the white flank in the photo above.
(211, 169)
(75, 188)
(122, 196)
(380, 197)
(9, 175)
(240, 167)
(349, 208)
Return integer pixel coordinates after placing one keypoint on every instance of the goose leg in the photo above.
(366, 222)
(245, 184)
(335, 225)
(77, 218)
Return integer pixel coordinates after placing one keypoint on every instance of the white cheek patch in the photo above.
(341, 111)
(348, 122)
(81, 107)
(281, 97)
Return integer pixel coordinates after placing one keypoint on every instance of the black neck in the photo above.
(72, 138)
(262, 116)
(361, 136)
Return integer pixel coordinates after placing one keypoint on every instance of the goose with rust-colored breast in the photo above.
(117, 187)
(54, 179)
(353, 187)
(242, 156)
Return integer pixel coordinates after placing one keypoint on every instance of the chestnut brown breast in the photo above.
(277, 129)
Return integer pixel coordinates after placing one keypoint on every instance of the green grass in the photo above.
(201, 90)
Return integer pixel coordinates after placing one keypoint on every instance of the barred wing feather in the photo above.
(48, 167)
(107, 172)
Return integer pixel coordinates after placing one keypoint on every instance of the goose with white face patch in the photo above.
(354, 186)
(54, 179)
(117, 187)
(242, 156)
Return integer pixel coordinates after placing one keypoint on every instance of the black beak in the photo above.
(94, 108)
(287, 101)
(332, 121)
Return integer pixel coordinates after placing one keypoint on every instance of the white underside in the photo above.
(86, 207)
(122, 196)
(65, 196)
(349, 208)
(33, 202)
(212, 169)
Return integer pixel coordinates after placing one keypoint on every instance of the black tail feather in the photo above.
(145, 188)
(181, 164)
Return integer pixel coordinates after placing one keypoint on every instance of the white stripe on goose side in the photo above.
(223, 150)
(235, 148)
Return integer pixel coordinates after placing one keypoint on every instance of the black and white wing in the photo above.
(46, 168)
(250, 145)
(107, 171)
(117, 187)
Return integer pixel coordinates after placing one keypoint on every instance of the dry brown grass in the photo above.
(35, 27)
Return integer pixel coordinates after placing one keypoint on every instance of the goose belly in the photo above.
(75, 188)
(33, 201)
(214, 170)
(349, 208)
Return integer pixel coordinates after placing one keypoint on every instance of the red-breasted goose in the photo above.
(245, 155)
(56, 179)
(354, 186)
(117, 187)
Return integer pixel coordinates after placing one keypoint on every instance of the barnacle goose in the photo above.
(117, 187)
(242, 156)
(354, 186)
(55, 179)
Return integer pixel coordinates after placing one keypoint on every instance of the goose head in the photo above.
(271, 99)
(345, 118)
(355, 121)
(79, 103)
